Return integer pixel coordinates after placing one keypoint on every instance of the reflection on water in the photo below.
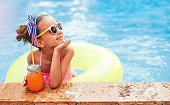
(137, 31)
(76, 19)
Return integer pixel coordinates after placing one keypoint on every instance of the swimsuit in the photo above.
(68, 76)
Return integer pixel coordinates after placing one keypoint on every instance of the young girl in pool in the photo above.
(54, 54)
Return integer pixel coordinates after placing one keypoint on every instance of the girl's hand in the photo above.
(25, 81)
(62, 46)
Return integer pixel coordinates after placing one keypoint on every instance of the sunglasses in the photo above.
(53, 29)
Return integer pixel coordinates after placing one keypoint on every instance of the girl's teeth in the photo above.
(59, 38)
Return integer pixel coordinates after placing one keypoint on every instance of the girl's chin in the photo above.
(60, 42)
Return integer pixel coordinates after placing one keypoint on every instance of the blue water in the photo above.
(137, 31)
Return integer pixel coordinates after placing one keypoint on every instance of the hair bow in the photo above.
(32, 28)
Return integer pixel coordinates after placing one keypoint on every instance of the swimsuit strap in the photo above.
(41, 59)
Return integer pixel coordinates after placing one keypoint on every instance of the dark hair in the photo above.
(23, 32)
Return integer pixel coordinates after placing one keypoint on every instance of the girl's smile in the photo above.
(59, 38)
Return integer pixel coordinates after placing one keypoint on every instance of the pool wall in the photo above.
(110, 93)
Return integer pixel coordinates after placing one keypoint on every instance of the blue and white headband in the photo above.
(32, 28)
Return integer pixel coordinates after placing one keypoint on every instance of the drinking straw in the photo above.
(32, 56)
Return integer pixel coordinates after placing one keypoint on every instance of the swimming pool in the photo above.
(137, 31)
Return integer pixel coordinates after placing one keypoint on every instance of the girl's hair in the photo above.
(23, 32)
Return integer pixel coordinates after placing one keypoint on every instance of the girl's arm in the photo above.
(59, 69)
(29, 59)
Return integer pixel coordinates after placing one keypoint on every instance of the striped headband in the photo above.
(32, 28)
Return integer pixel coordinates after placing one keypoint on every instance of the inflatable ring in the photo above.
(99, 64)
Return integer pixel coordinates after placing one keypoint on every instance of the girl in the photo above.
(54, 54)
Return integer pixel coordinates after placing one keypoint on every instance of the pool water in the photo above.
(137, 31)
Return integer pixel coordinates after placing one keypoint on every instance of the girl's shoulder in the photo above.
(69, 50)
(36, 55)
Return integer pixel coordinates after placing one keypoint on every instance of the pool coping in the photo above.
(114, 93)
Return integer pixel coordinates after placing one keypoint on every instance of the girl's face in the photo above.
(49, 39)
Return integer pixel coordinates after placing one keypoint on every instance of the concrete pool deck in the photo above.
(102, 93)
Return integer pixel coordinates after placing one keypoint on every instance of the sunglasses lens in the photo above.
(53, 29)
(60, 26)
